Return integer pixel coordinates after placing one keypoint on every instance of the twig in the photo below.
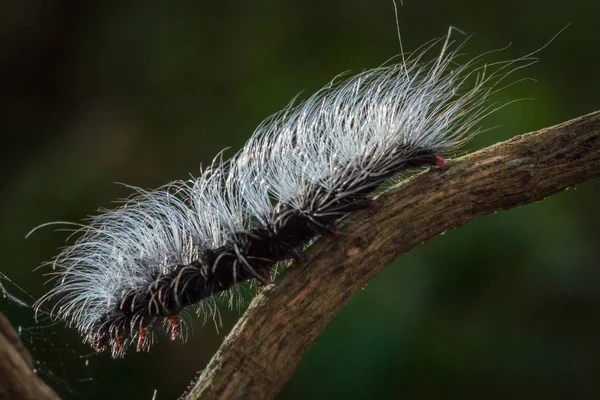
(17, 377)
(283, 321)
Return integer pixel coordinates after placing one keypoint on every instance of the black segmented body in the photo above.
(252, 254)
(137, 267)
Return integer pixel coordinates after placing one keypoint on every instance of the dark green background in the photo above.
(142, 92)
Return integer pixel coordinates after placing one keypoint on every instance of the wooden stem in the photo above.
(283, 321)
(17, 377)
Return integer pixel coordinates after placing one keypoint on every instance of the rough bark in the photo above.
(283, 321)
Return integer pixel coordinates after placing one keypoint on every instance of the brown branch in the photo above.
(17, 377)
(262, 351)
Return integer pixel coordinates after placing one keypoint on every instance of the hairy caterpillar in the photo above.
(135, 269)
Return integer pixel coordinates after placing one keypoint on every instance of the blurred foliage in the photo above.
(94, 92)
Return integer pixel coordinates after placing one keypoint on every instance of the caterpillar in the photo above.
(136, 270)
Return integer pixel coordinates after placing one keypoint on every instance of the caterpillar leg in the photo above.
(296, 255)
(175, 326)
(142, 335)
(118, 345)
(265, 277)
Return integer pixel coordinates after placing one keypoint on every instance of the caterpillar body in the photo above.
(136, 269)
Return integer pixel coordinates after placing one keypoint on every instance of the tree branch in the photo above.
(17, 377)
(283, 321)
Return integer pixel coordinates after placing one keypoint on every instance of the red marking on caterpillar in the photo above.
(175, 327)
(118, 344)
(440, 162)
(142, 335)
(138, 267)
